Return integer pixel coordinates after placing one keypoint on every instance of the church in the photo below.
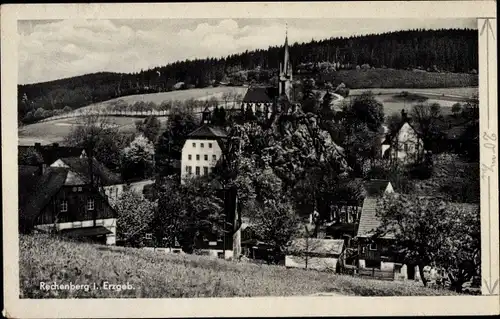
(263, 100)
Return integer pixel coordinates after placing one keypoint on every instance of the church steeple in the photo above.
(285, 78)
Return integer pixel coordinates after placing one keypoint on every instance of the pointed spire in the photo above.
(286, 59)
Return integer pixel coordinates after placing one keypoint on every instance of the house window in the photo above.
(189, 157)
(197, 157)
(90, 204)
(406, 148)
(149, 236)
(64, 206)
(202, 145)
(205, 170)
(373, 246)
(197, 171)
(214, 157)
(189, 170)
(209, 145)
(205, 157)
(194, 144)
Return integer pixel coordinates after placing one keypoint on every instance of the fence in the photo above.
(376, 273)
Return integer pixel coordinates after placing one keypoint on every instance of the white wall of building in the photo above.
(317, 263)
(409, 145)
(193, 147)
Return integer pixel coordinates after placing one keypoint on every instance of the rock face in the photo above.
(290, 143)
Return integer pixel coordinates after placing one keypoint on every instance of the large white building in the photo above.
(202, 150)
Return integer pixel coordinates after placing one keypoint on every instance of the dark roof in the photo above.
(208, 131)
(86, 231)
(80, 166)
(375, 187)
(45, 188)
(261, 95)
(28, 176)
(368, 222)
(53, 152)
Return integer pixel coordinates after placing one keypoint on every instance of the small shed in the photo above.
(314, 253)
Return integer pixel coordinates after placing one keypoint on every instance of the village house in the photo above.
(314, 253)
(376, 257)
(49, 153)
(404, 146)
(202, 149)
(62, 199)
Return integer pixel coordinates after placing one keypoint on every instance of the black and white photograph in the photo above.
(224, 157)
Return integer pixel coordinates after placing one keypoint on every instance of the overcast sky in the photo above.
(54, 49)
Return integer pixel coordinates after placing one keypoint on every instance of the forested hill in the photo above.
(433, 50)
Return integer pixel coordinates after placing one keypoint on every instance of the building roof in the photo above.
(208, 131)
(28, 176)
(44, 189)
(368, 221)
(80, 166)
(53, 152)
(376, 187)
(260, 95)
(317, 246)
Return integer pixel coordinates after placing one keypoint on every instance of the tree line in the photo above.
(453, 50)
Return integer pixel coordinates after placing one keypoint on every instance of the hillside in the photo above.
(157, 275)
(433, 50)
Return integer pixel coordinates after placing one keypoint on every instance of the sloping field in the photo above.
(180, 95)
(160, 275)
(445, 97)
(55, 131)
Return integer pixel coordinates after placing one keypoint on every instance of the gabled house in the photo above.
(202, 149)
(375, 253)
(404, 146)
(49, 153)
(62, 201)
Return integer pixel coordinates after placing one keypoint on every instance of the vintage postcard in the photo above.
(250, 159)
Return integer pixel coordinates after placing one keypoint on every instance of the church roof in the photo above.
(260, 95)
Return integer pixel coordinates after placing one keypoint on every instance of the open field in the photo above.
(445, 97)
(180, 95)
(55, 131)
(157, 275)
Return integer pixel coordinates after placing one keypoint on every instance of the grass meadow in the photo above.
(160, 275)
